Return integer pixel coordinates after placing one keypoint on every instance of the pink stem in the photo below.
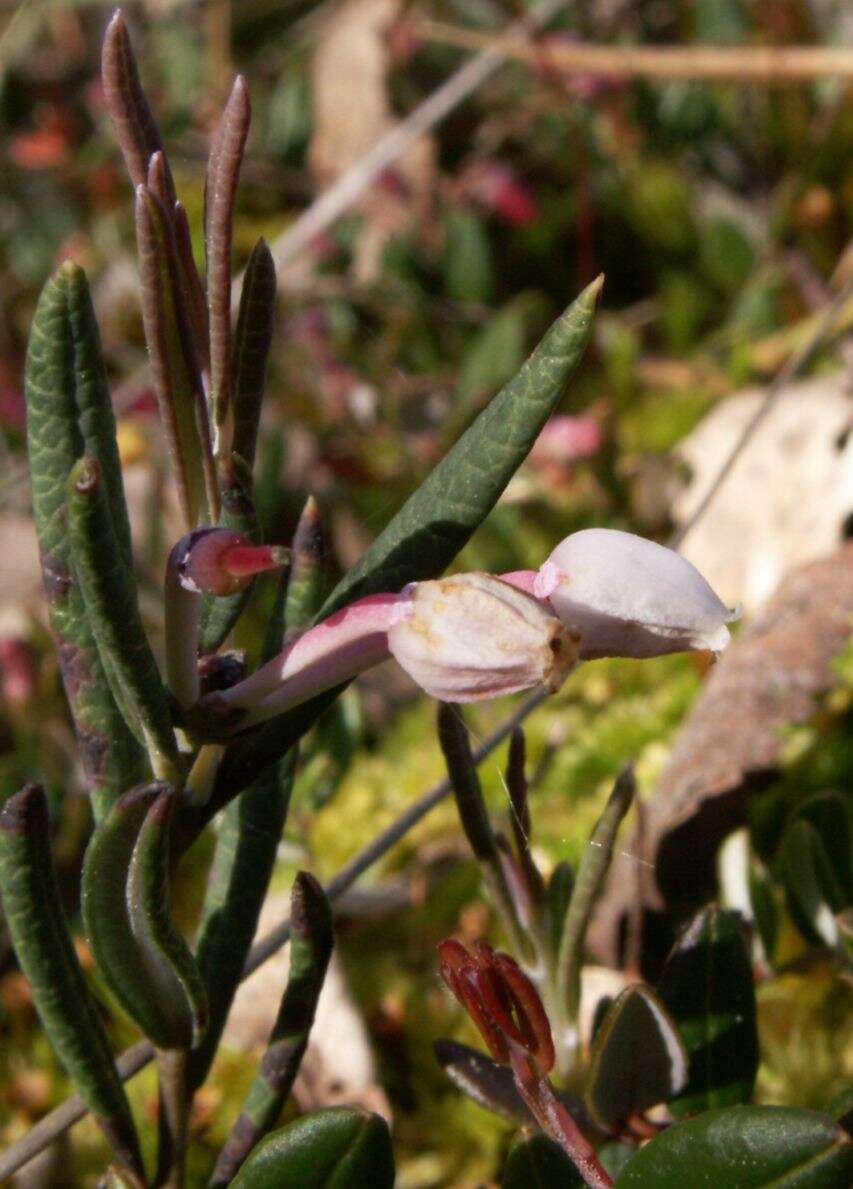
(343, 645)
(555, 1120)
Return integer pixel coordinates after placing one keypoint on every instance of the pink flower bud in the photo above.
(627, 596)
(472, 636)
(220, 562)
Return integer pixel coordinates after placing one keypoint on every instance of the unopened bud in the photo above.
(472, 636)
(631, 597)
(219, 561)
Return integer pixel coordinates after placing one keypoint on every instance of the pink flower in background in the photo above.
(17, 671)
(498, 188)
(567, 439)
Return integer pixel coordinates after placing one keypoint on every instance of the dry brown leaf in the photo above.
(729, 746)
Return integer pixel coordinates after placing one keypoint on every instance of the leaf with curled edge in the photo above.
(68, 413)
(135, 973)
(174, 361)
(36, 921)
(172, 967)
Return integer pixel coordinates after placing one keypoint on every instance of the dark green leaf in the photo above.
(765, 911)
(831, 814)
(557, 898)
(310, 951)
(745, 1147)
(34, 916)
(539, 1163)
(456, 748)
(338, 1148)
(707, 984)
(438, 519)
(638, 1058)
(246, 847)
(811, 889)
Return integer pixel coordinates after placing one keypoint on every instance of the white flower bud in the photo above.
(631, 597)
(472, 636)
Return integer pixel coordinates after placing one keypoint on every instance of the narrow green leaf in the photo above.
(558, 898)
(638, 1058)
(338, 1148)
(246, 846)
(33, 910)
(438, 519)
(310, 951)
(309, 567)
(765, 911)
(167, 955)
(132, 972)
(220, 614)
(745, 1147)
(538, 1162)
(592, 870)
(109, 596)
(474, 817)
(174, 362)
(251, 348)
(708, 987)
(69, 413)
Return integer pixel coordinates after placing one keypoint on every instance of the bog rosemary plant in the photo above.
(169, 743)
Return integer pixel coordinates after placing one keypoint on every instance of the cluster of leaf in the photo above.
(137, 741)
(691, 1042)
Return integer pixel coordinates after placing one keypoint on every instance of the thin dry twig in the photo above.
(349, 187)
(767, 64)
